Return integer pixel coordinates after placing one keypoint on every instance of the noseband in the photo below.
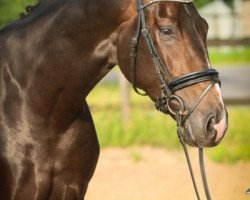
(170, 86)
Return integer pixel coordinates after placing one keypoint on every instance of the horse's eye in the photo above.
(167, 32)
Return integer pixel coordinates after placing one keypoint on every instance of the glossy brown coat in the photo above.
(51, 59)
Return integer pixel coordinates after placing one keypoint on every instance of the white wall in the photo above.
(220, 19)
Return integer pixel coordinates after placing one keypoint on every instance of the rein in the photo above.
(168, 88)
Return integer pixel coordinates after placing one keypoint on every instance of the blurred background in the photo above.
(126, 120)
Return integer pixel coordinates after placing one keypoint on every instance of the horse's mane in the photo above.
(30, 8)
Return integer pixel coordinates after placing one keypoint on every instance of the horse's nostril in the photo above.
(210, 130)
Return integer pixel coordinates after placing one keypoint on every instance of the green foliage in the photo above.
(146, 126)
(10, 10)
(200, 3)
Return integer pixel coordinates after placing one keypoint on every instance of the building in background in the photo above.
(220, 19)
(243, 11)
(226, 22)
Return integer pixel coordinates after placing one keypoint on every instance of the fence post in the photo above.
(124, 93)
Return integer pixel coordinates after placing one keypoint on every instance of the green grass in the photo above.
(229, 56)
(146, 126)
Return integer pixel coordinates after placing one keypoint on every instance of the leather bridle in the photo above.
(170, 86)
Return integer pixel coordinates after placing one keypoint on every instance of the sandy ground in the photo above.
(147, 173)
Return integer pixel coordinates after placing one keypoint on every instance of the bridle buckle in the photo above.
(183, 113)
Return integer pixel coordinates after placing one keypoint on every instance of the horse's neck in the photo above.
(79, 36)
(63, 55)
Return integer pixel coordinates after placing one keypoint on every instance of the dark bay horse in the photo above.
(53, 57)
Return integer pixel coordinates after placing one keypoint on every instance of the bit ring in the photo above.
(179, 101)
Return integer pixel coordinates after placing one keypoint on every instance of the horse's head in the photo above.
(173, 48)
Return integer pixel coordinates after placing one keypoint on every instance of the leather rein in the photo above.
(168, 88)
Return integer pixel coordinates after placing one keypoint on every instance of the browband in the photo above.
(154, 1)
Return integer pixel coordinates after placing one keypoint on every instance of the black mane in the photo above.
(30, 8)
